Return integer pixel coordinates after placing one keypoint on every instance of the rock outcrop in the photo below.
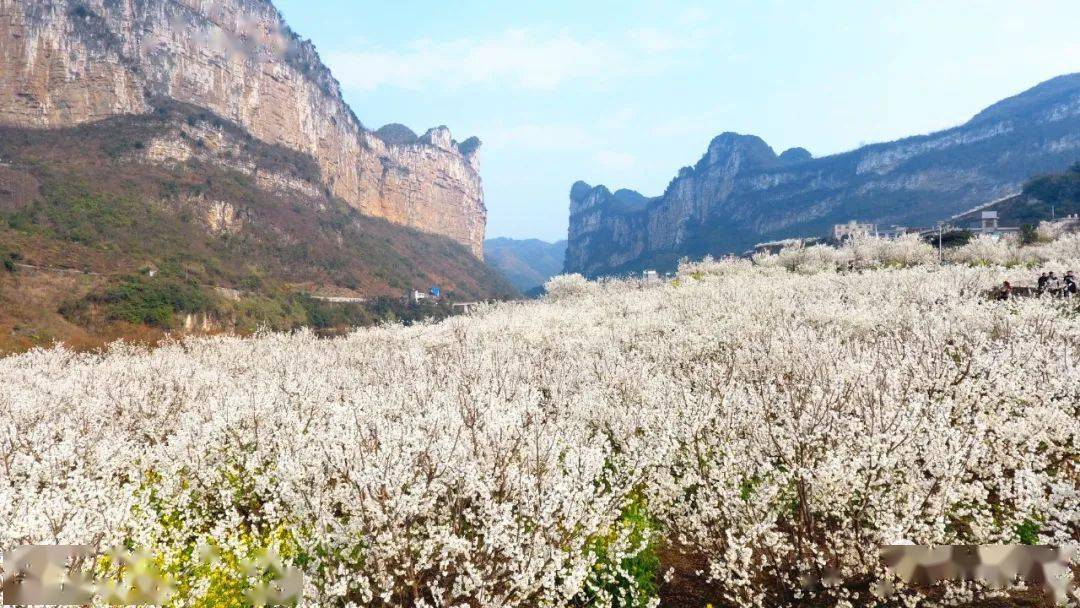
(741, 193)
(69, 62)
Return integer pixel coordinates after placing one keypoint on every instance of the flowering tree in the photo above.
(778, 426)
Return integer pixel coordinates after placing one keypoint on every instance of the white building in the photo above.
(988, 224)
(852, 229)
(894, 232)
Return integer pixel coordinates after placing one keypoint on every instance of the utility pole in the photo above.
(940, 232)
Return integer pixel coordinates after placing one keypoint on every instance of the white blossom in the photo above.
(776, 423)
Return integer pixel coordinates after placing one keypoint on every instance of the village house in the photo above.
(988, 225)
(853, 229)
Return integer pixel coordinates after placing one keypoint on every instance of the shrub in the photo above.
(952, 239)
(1028, 235)
(858, 253)
(151, 300)
(329, 315)
(626, 568)
(567, 286)
(992, 250)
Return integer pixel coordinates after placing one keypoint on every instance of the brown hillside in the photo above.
(182, 195)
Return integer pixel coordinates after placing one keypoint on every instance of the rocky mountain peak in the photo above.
(579, 191)
(438, 137)
(397, 134)
(470, 149)
(795, 155)
(584, 197)
(630, 198)
(735, 152)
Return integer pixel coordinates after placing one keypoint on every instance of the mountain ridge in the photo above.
(741, 192)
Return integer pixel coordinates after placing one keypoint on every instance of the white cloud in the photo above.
(523, 59)
(517, 58)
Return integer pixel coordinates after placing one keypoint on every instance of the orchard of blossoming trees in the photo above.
(740, 430)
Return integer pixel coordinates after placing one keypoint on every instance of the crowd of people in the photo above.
(1049, 283)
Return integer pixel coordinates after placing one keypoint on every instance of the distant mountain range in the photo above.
(741, 192)
(528, 263)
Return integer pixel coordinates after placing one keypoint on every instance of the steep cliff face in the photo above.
(741, 192)
(68, 62)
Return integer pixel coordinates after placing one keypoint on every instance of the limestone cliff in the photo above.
(68, 62)
(741, 192)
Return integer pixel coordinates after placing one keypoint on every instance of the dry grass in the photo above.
(29, 316)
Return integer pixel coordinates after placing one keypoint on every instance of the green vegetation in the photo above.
(90, 205)
(633, 580)
(324, 315)
(152, 300)
(158, 301)
(1054, 195)
(254, 312)
(1059, 188)
(208, 571)
(10, 259)
(951, 239)
(397, 134)
(1027, 532)
(140, 299)
(69, 210)
(469, 146)
(1028, 234)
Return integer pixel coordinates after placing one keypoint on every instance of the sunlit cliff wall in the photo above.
(67, 62)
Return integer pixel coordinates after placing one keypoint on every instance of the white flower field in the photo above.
(771, 421)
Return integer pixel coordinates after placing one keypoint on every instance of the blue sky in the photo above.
(625, 93)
